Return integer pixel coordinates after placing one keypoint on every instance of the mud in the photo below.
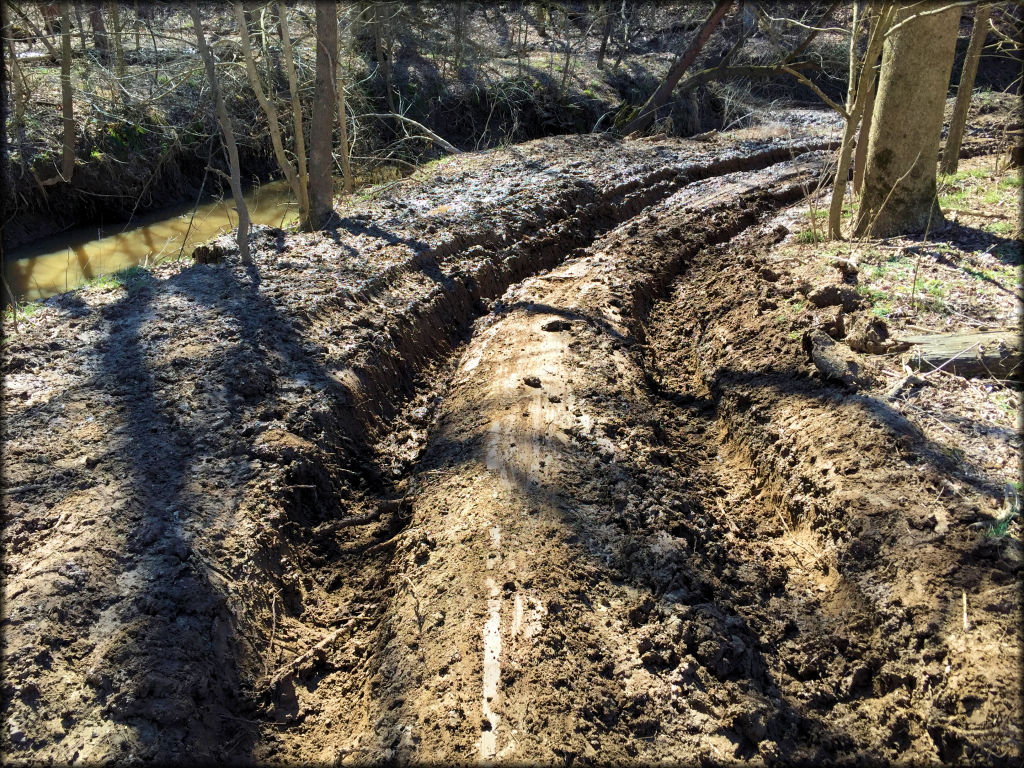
(453, 480)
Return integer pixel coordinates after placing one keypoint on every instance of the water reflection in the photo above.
(65, 261)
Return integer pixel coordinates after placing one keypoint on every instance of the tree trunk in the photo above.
(382, 52)
(860, 154)
(661, 95)
(951, 152)
(268, 109)
(989, 353)
(66, 94)
(6, 193)
(229, 136)
(81, 26)
(300, 138)
(346, 167)
(606, 33)
(321, 160)
(114, 11)
(855, 108)
(99, 31)
(903, 146)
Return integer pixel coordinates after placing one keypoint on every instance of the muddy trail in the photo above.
(507, 466)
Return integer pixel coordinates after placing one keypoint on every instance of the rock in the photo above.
(556, 325)
(834, 362)
(531, 381)
(871, 335)
(835, 295)
(212, 252)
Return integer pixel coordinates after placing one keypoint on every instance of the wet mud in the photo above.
(509, 465)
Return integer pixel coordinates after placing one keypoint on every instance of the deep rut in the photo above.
(478, 579)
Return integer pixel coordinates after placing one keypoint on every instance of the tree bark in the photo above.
(321, 159)
(606, 33)
(300, 138)
(99, 31)
(903, 146)
(661, 95)
(229, 136)
(951, 152)
(268, 109)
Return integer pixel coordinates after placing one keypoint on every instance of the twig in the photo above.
(293, 666)
(273, 633)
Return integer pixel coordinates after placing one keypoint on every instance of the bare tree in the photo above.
(321, 158)
(270, 111)
(293, 89)
(346, 166)
(114, 12)
(857, 96)
(66, 94)
(951, 152)
(645, 116)
(228, 133)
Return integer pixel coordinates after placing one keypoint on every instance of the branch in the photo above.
(422, 128)
(724, 73)
(932, 12)
(820, 93)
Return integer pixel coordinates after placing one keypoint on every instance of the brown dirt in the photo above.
(513, 464)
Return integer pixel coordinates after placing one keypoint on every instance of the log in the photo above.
(989, 353)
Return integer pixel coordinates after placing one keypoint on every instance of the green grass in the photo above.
(1009, 181)
(24, 310)
(1000, 228)
(1011, 510)
(808, 236)
(934, 288)
(125, 278)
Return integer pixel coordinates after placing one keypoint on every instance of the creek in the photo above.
(72, 258)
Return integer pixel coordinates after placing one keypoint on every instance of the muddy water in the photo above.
(66, 261)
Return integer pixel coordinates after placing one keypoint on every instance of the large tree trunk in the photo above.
(321, 159)
(661, 95)
(66, 94)
(951, 152)
(229, 136)
(268, 109)
(903, 146)
(300, 137)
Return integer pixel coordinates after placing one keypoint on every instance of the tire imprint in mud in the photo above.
(491, 378)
